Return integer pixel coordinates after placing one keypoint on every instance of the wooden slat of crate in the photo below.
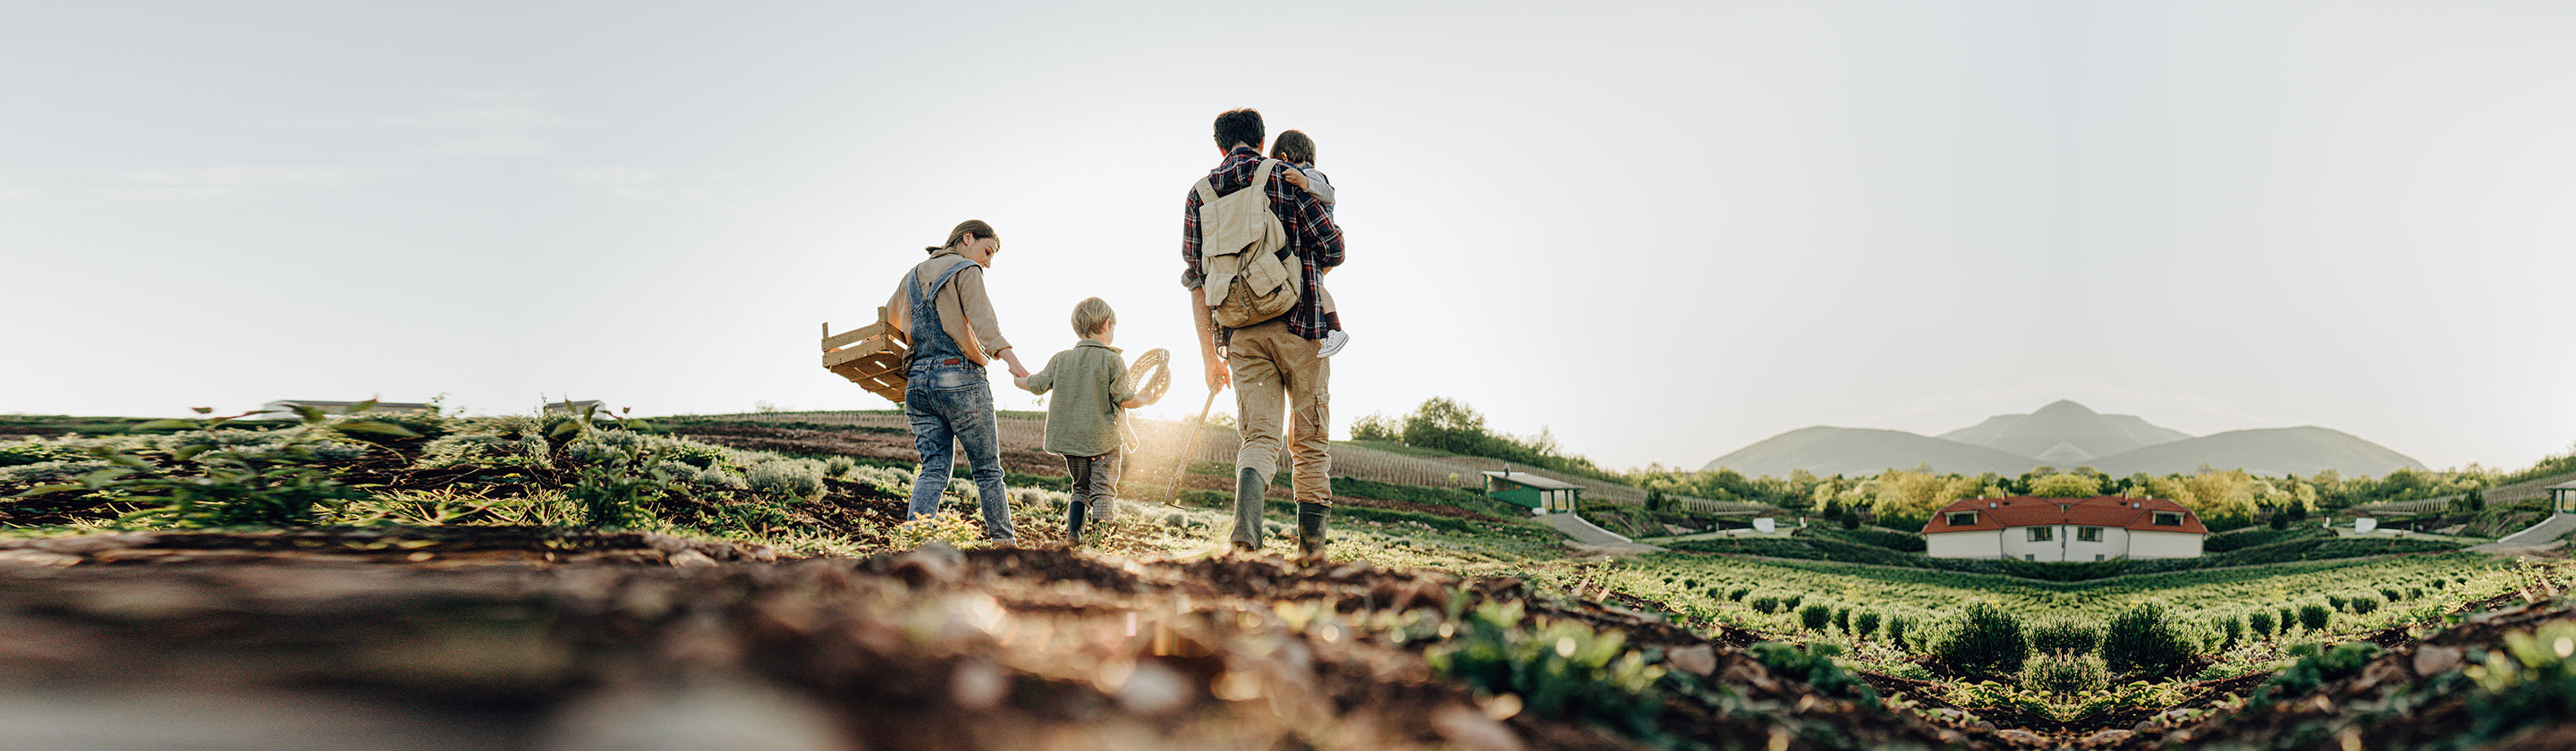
(868, 357)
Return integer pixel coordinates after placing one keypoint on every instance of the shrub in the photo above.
(1766, 604)
(1791, 602)
(2064, 636)
(1896, 625)
(2288, 618)
(2260, 621)
(2315, 617)
(1815, 615)
(1737, 594)
(2362, 605)
(796, 479)
(2147, 642)
(1986, 642)
(1842, 619)
(1864, 623)
(2231, 627)
(2064, 674)
(838, 466)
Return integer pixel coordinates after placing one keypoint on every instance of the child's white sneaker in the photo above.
(1333, 342)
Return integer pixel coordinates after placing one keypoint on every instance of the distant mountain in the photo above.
(2268, 451)
(1864, 451)
(2063, 434)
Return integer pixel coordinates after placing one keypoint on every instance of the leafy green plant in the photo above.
(2533, 679)
(946, 526)
(1816, 667)
(239, 484)
(620, 475)
(2146, 641)
(2314, 668)
(1984, 641)
(1864, 623)
(795, 479)
(36, 451)
(1557, 668)
(2064, 673)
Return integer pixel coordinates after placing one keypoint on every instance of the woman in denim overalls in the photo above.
(945, 394)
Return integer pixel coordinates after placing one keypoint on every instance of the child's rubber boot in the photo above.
(1073, 519)
(1310, 529)
(1250, 491)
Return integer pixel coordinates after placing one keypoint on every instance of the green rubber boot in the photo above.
(1250, 491)
(1310, 529)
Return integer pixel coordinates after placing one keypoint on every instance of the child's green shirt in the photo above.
(1090, 381)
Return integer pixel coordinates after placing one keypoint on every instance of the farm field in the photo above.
(594, 575)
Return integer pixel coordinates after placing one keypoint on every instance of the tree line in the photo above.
(1906, 498)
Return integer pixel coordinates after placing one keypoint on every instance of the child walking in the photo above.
(1294, 147)
(1084, 422)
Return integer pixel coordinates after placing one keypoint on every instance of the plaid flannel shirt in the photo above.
(1312, 235)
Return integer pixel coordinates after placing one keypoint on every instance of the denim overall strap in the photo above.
(931, 343)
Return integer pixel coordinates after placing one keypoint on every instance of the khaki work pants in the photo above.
(1271, 365)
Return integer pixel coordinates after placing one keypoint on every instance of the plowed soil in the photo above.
(518, 638)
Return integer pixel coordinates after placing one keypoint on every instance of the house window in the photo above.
(2168, 519)
(1963, 519)
(2043, 534)
(2088, 534)
(2097, 556)
(2029, 556)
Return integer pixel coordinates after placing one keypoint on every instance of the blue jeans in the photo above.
(954, 403)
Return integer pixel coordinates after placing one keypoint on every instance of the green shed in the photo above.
(1546, 495)
(2562, 497)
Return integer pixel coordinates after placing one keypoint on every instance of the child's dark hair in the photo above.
(1294, 147)
(1239, 126)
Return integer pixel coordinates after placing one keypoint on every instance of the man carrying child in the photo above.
(1272, 360)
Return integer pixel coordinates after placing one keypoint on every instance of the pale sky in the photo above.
(1661, 231)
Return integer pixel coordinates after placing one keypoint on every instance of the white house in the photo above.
(2064, 529)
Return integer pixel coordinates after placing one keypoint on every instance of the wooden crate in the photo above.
(869, 356)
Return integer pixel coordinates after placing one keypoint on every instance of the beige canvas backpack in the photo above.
(1248, 279)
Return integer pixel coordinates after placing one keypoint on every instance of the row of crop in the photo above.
(1766, 594)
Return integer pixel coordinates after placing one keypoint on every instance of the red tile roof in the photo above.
(2098, 511)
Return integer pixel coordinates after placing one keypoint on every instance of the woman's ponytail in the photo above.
(975, 228)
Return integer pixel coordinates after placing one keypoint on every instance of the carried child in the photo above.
(1085, 422)
(1296, 148)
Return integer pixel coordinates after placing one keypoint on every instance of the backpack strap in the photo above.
(1260, 178)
